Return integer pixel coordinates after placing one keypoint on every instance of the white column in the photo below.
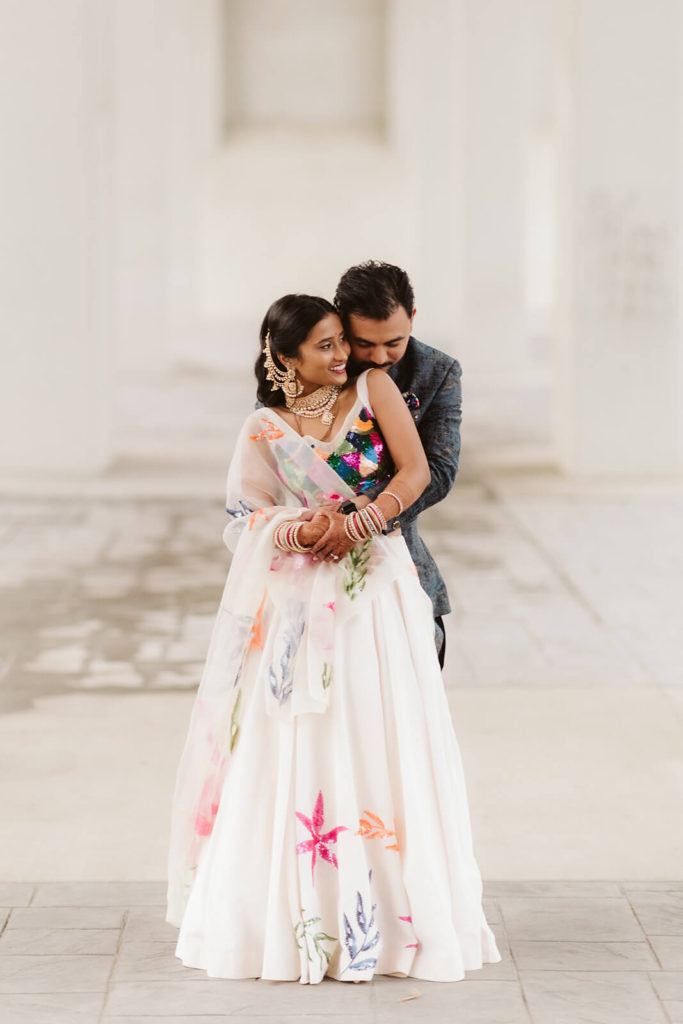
(495, 338)
(426, 129)
(140, 174)
(619, 368)
(55, 384)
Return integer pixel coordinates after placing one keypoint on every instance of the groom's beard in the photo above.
(354, 367)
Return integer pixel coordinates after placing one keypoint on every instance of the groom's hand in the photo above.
(334, 541)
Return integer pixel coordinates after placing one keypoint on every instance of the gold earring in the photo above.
(287, 380)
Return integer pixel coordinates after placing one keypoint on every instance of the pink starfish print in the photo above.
(318, 842)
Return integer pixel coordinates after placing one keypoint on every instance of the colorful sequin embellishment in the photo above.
(362, 459)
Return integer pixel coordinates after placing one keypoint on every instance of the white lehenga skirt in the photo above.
(342, 843)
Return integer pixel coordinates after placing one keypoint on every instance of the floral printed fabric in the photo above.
(301, 844)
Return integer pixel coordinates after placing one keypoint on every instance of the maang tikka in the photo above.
(286, 380)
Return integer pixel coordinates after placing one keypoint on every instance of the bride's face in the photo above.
(322, 356)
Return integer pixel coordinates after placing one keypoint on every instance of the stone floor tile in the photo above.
(245, 997)
(15, 894)
(569, 890)
(579, 997)
(52, 1008)
(148, 924)
(659, 886)
(492, 912)
(239, 1018)
(100, 894)
(583, 956)
(41, 941)
(660, 913)
(495, 1002)
(590, 920)
(669, 950)
(4, 914)
(31, 974)
(674, 1009)
(668, 984)
(67, 917)
(505, 970)
(152, 961)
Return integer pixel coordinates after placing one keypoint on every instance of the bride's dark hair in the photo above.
(289, 320)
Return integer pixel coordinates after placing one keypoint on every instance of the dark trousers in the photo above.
(440, 635)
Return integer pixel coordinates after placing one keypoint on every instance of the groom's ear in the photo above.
(412, 317)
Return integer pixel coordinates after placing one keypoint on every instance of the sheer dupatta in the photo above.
(275, 626)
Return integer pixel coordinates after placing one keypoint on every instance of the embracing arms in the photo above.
(440, 434)
(412, 469)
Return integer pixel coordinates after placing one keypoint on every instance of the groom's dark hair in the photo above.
(374, 290)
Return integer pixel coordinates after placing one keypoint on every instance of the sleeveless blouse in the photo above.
(358, 452)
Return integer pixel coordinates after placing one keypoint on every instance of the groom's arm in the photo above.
(439, 431)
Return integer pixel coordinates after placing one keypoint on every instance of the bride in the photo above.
(320, 823)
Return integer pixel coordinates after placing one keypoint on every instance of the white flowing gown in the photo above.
(320, 821)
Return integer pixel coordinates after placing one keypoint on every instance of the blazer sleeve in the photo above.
(439, 432)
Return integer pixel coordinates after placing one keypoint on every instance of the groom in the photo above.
(376, 304)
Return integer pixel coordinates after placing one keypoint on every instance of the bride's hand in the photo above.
(313, 529)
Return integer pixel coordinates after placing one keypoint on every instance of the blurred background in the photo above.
(168, 168)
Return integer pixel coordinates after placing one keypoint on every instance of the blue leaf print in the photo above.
(349, 938)
(370, 940)
(360, 915)
(362, 965)
(281, 677)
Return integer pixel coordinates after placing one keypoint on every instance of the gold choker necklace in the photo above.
(318, 404)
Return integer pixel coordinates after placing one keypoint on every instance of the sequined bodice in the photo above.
(361, 458)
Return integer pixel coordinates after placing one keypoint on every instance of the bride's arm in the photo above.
(403, 441)
(412, 469)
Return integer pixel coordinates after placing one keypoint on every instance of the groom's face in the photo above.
(379, 343)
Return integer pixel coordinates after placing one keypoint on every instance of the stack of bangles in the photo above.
(369, 521)
(286, 537)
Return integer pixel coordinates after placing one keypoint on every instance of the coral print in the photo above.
(319, 842)
(373, 827)
(409, 945)
(269, 433)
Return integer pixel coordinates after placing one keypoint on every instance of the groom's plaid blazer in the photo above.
(430, 383)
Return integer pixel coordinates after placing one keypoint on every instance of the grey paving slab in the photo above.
(558, 890)
(152, 961)
(579, 997)
(668, 984)
(15, 894)
(505, 970)
(496, 1002)
(40, 941)
(249, 998)
(67, 917)
(669, 950)
(144, 923)
(583, 956)
(659, 886)
(100, 894)
(660, 913)
(31, 974)
(492, 911)
(51, 1008)
(674, 1010)
(239, 1018)
(4, 914)
(590, 920)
